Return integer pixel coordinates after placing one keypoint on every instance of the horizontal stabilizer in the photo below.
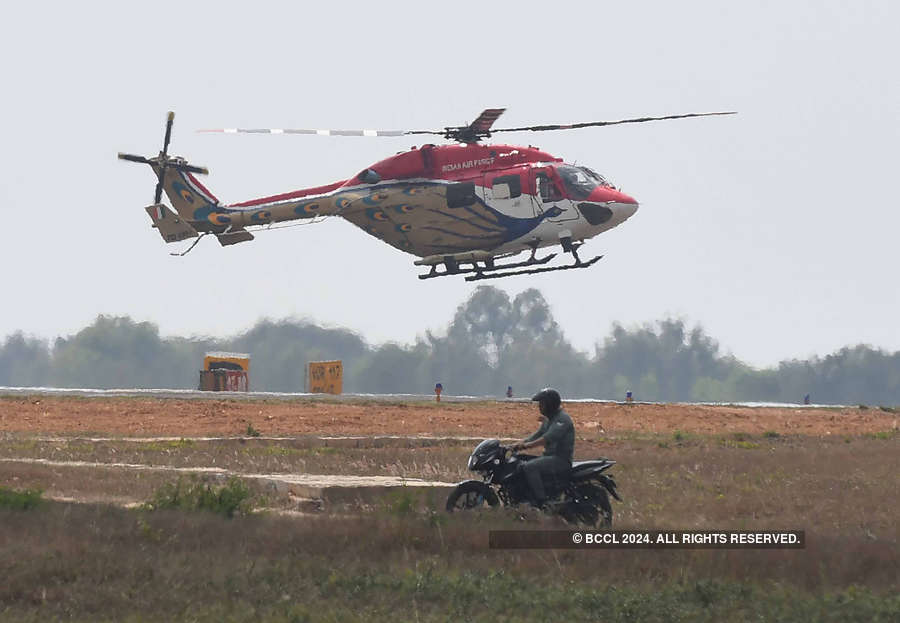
(234, 236)
(171, 226)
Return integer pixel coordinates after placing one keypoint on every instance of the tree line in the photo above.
(493, 342)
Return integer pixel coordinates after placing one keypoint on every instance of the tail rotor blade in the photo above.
(133, 158)
(189, 168)
(164, 157)
(169, 120)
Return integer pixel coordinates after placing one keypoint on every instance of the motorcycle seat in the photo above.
(576, 464)
(580, 466)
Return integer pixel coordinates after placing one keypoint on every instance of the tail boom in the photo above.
(196, 204)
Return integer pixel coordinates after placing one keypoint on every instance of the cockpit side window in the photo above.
(600, 179)
(547, 188)
(579, 182)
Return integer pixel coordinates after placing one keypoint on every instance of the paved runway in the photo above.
(193, 394)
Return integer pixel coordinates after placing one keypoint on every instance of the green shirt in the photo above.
(559, 434)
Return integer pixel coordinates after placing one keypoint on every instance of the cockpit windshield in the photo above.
(580, 181)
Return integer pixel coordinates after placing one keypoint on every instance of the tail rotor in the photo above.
(163, 161)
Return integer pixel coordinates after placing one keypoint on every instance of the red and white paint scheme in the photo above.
(461, 207)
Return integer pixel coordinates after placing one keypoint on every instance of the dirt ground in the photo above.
(179, 417)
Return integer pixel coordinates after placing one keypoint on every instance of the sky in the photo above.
(775, 229)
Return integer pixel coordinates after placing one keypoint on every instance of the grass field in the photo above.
(96, 562)
(403, 557)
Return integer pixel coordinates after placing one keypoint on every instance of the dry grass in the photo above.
(97, 562)
(81, 562)
(835, 485)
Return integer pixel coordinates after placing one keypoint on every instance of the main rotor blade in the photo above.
(316, 132)
(573, 126)
(486, 119)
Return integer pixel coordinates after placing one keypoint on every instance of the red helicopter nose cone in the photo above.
(625, 205)
(623, 198)
(622, 205)
(603, 194)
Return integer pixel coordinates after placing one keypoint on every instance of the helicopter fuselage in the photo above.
(438, 201)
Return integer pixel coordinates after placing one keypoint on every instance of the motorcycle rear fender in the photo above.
(591, 472)
(610, 485)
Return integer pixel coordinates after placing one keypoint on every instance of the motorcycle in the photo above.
(579, 497)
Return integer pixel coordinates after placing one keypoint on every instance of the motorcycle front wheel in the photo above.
(471, 495)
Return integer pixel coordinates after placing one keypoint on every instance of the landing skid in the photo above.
(478, 270)
(547, 269)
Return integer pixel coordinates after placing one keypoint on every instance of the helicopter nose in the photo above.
(625, 206)
(622, 206)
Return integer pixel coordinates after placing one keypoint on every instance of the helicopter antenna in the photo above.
(193, 244)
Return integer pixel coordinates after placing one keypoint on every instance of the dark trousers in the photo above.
(540, 467)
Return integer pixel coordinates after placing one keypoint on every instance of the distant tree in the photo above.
(24, 361)
(662, 361)
(484, 323)
(491, 342)
(858, 374)
(281, 350)
(392, 369)
(115, 352)
(538, 355)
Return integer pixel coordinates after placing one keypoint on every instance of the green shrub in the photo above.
(252, 432)
(740, 444)
(20, 500)
(401, 503)
(771, 434)
(194, 495)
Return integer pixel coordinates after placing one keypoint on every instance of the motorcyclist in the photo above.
(557, 436)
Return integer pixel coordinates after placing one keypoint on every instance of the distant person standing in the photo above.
(806, 399)
(509, 393)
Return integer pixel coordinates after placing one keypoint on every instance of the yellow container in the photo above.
(325, 377)
(227, 361)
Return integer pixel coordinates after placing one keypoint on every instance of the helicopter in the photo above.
(464, 208)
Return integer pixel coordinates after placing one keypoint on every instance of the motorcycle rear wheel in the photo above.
(598, 497)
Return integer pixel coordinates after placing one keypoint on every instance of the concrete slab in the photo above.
(324, 489)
